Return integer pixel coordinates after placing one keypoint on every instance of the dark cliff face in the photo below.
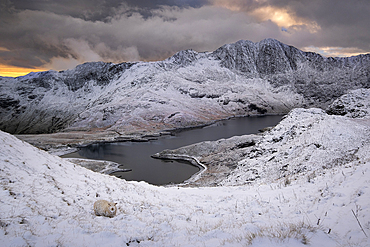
(240, 56)
(272, 59)
(184, 58)
(27, 105)
(264, 58)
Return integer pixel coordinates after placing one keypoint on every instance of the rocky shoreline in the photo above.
(101, 166)
(67, 142)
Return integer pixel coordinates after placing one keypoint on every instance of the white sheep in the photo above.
(105, 208)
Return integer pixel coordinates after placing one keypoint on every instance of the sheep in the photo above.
(105, 208)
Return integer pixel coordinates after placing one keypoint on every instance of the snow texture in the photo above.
(187, 89)
(306, 182)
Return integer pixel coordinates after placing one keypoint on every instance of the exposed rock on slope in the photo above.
(355, 104)
(187, 89)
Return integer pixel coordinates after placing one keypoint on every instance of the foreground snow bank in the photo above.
(48, 201)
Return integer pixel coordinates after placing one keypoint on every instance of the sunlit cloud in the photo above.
(283, 18)
(262, 11)
(335, 51)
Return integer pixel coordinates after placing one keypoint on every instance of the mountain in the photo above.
(187, 89)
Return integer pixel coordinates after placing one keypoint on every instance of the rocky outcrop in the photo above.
(355, 104)
(306, 141)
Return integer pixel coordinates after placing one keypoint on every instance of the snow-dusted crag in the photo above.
(187, 89)
(355, 104)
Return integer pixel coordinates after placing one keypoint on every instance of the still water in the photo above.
(136, 155)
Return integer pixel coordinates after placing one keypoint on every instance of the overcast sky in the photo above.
(59, 34)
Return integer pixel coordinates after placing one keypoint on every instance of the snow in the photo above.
(48, 201)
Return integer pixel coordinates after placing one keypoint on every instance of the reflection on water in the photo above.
(136, 155)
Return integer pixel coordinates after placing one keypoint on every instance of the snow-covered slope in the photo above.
(187, 89)
(315, 191)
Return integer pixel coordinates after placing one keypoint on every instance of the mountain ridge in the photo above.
(238, 79)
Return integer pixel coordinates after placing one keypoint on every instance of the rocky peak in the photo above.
(266, 57)
(100, 73)
(238, 56)
(185, 57)
(274, 57)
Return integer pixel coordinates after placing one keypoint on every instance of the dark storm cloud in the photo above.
(101, 10)
(42, 37)
(60, 34)
(156, 3)
(86, 9)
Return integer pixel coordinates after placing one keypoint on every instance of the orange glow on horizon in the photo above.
(12, 71)
(335, 51)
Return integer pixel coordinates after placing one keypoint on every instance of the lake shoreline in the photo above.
(61, 143)
(190, 159)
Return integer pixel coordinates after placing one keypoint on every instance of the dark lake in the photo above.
(136, 155)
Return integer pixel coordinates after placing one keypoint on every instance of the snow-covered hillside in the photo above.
(187, 89)
(47, 201)
(303, 183)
